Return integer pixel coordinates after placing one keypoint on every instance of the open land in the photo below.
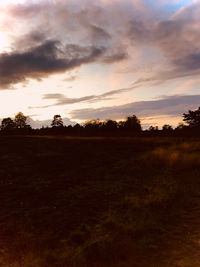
(95, 202)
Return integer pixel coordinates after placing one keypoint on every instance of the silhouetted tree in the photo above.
(192, 118)
(20, 121)
(181, 126)
(77, 128)
(167, 128)
(57, 121)
(153, 128)
(7, 124)
(121, 124)
(110, 125)
(132, 123)
(93, 124)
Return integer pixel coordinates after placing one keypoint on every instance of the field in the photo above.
(99, 202)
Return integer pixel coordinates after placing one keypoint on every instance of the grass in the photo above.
(99, 202)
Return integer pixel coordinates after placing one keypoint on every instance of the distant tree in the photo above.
(132, 123)
(181, 126)
(77, 128)
(7, 124)
(93, 124)
(167, 128)
(192, 118)
(153, 128)
(121, 124)
(57, 121)
(20, 121)
(110, 125)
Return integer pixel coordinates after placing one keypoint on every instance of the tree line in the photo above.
(130, 126)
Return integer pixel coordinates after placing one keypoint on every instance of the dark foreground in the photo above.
(99, 202)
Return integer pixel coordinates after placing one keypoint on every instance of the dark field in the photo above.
(93, 202)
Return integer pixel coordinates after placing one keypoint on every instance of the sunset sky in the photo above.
(86, 59)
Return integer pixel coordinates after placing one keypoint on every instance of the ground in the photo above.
(95, 202)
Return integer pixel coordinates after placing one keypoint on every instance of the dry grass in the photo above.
(81, 202)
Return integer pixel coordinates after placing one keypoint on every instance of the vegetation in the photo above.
(7, 125)
(111, 195)
(20, 121)
(99, 202)
(192, 118)
(129, 127)
(18, 125)
(57, 121)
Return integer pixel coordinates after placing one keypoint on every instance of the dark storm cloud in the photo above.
(43, 60)
(173, 105)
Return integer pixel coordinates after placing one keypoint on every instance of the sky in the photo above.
(105, 59)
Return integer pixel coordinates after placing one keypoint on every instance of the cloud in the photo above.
(119, 56)
(63, 100)
(98, 33)
(171, 105)
(53, 96)
(177, 39)
(44, 60)
(95, 25)
(111, 31)
(186, 86)
(70, 78)
(190, 62)
(44, 123)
